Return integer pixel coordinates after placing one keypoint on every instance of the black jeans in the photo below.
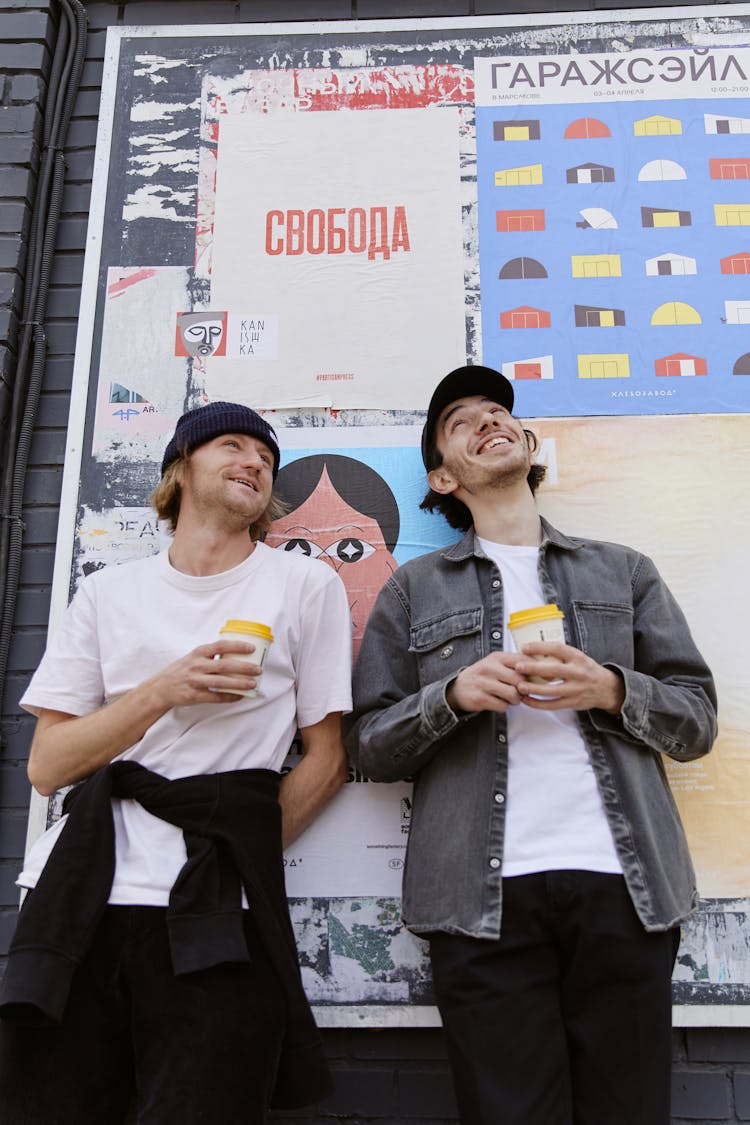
(566, 1020)
(197, 1048)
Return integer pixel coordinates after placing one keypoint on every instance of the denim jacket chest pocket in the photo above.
(445, 644)
(604, 631)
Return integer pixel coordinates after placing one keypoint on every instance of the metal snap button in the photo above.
(446, 652)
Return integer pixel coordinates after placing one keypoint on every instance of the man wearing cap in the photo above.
(546, 865)
(154, 958)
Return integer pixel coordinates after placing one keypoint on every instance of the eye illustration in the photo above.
(303, 547)
(350, 550)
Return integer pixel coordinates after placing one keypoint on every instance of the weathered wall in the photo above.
(384, 1076)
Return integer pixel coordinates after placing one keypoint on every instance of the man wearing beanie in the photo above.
(154, 963)
(546, 864)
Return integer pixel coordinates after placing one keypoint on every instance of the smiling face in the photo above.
(482, 445)
(326, 528)
(228, 481)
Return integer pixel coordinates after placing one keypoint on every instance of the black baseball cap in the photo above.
(470, 380)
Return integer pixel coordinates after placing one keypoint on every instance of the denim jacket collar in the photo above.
(468, 546)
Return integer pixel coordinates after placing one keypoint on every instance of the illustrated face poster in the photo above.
(320, 221)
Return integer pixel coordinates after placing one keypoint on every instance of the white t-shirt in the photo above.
(128, 622)
(555, 818)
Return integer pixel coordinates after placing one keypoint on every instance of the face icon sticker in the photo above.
(201, 334)
(343, 514)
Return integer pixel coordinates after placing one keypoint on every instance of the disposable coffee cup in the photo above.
(540, 623)
(254, 633)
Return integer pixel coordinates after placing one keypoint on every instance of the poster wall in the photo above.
(320, 222)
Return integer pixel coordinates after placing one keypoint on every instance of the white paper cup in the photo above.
(540, 623)
(251, 632)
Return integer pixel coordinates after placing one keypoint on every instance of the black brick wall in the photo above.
(389, 1076)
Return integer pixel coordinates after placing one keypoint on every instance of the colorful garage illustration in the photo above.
(596, 265)
(732, 214)
(518, 268)
(670, 265)
(524, 176)
(589, 316)
(511, 222)
(606, 366)
(662, 170)
(590, 174)
(538, 367)
(657, 126)
(737, 312)
(596, 218)
(730, 167)
(675, 312)
(584, 128)
(714, 123)
(738, 263)
(516, 130)
(525, 317)
(665, 217)
(681, 364)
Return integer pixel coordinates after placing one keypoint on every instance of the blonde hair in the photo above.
(167, 495)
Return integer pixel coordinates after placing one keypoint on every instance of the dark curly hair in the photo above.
(455, 511)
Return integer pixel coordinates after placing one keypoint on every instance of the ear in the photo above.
(442, 481)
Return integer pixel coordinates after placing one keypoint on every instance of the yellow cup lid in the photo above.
(536, 613)
(252, 628)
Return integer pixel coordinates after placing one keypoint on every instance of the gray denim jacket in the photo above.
(443, 611)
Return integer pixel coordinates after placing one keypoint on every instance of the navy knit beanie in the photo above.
(198, 426)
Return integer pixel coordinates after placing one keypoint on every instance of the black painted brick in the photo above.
(86, 104)
(15, 685)
(102, 15)
(7, 928)
(20, 118)
(67, 268)
(96, 42)
(76, 198)
(63, 303)
(17, 733)
(20, 149)
(253, 11)
(91, 74)
(424, 1043)
(24, 56)
(32, 606)
(377, 9)
(10, 288)
(71, 234)
(53, 410)
(47, 447)
(219, 11)
(40, 524)
(26, 651)
(79, 163)
(362, 1091)
(490, 8)
(8, 890)
(14, 786)
(81, 134)
(12, 253)
(14, 218)
(8, 326)
(42, 487)
(718, 1045)
(27, 88)
(37, 565)
(700, 1095)
(61, 338)
(742, 1094)
(426, 1093)
(12, 832)
(17, 182)
(20, 27)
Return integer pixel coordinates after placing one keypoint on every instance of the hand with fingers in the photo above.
(491, 684)
(553, 676)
